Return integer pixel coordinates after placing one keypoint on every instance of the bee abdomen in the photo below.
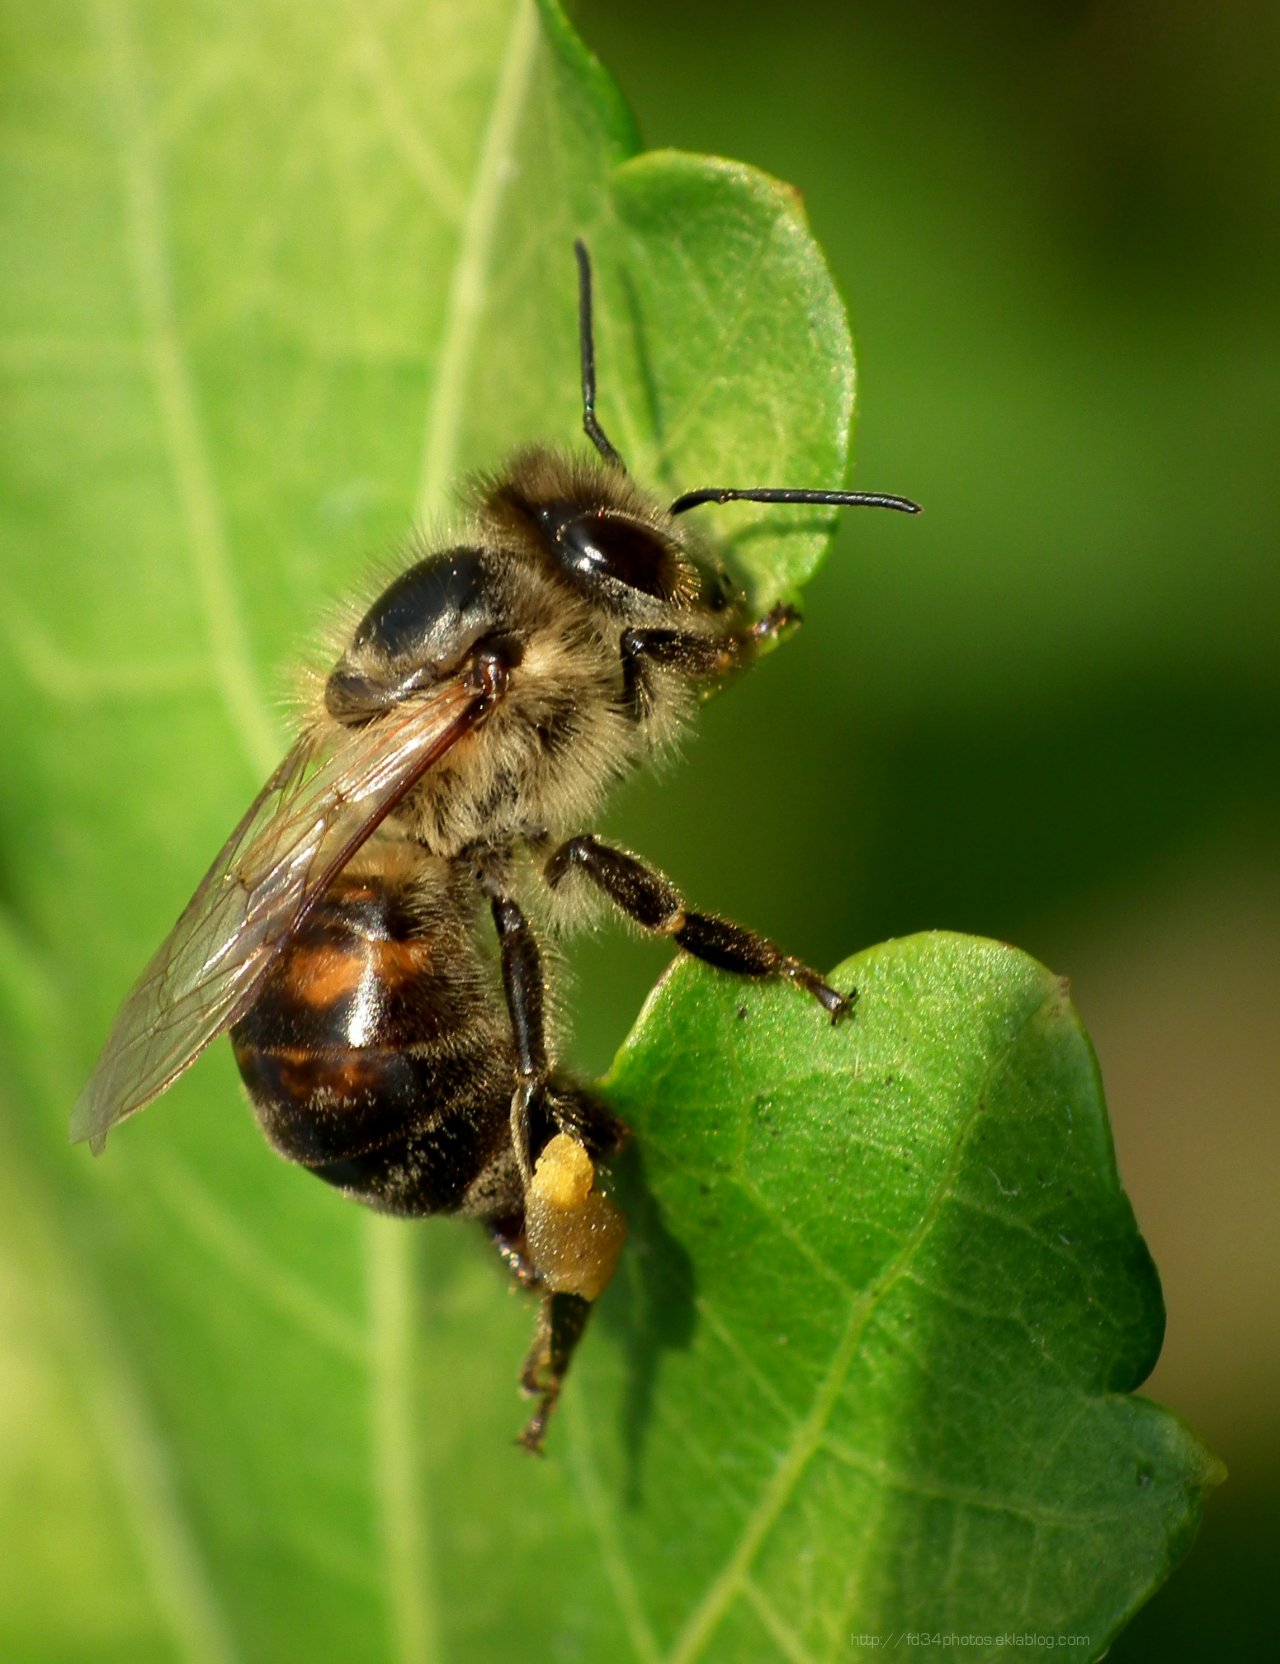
(374, 1036)
(318, 1106)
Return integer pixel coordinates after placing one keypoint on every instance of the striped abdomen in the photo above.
(376, 1055)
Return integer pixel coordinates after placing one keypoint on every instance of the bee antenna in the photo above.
(782, 494)
(587, 349)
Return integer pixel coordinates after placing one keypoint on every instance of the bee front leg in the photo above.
(702, 658)
(655, 904)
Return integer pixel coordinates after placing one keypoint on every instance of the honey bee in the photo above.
(474, 721)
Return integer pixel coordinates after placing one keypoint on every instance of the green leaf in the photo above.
(274, 276)
(887, 1301)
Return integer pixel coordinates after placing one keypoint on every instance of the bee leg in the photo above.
(522, 982)
(538, 1100)
(655, 904)
(507, 1236)
(779, 621)
(702, 658)
(587, 1127)
(585, 1118)
(561, 1321)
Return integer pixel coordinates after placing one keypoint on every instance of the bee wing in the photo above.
(302, 829)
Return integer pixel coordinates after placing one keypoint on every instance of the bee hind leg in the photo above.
(561, 1321)
(538, 1102)
(568, 1236)
(523, 985)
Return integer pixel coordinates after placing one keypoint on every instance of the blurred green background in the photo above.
(1051, 711)
(1048, 710)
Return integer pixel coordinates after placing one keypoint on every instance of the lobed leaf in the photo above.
(275, 277)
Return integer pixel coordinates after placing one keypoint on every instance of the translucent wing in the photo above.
(300, 832)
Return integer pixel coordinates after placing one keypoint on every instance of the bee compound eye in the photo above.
(601, 543)
(630, 554)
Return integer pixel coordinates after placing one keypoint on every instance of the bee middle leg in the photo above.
(655, 904)
(507, 1236)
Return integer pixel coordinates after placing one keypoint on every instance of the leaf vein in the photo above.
(422, 157)
(727, 1584)
(189, 1202)
(616, 1568)
(783, 1636)
(397, 1468)
(469, 284)
(175, 393)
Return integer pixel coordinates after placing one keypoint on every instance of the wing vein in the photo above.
(297, 835)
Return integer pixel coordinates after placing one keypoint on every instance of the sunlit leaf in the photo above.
(274, 278)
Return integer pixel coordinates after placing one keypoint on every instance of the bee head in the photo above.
(605, 537)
